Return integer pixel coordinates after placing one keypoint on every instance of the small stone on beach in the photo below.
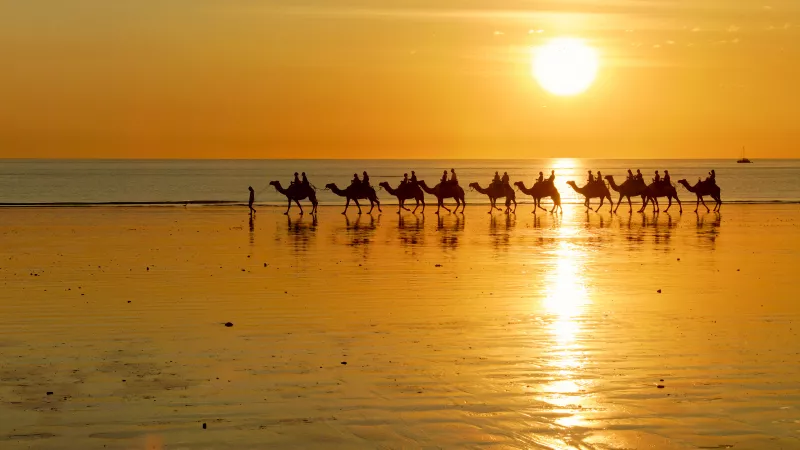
(659, 291)
(660, 386)
(204, 425)
(438, 265)
(49, 392)
(228, 324)
(344, 363)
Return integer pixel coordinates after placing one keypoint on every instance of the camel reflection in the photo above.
(708, 225)
(411, 231)
(501, 235)
(361, 231)
(301, 231)
(565, 306)
(450, 228)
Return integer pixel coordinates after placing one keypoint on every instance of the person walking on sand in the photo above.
(252, 199)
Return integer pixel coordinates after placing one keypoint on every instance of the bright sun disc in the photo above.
(565, 66)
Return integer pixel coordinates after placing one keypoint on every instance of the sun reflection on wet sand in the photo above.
(565, 304)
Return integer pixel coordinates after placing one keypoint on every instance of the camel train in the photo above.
(501, 188)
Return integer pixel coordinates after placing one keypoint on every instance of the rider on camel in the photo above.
(541, 177)
(599, 177)
(496, 179)
(356, 181)
(296, 179)
(666, 180)
(305, 180)
(657, 178)
(413, 178)
(630, 175)
(453, 177)
(552, 176)
(365, 180)
(591, 177)
(444, 177)
(639, 176)
(505, 180)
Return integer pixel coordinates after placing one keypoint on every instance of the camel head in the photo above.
(474, 186)
(274, 183)
(384, 184)
(684, 182)
(609, 178)
(331, 186)
(572, 183)
(519, 184)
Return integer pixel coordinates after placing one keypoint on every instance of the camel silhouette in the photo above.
(702, 189)
(660, 189)
(405, 192)
(297, 192)
(355, 193)
(445, 190)
(495, 191)
(629, 188)
(593, 190)
(541, 190)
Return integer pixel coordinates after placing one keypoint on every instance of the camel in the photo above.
(495, 191)
(445, 190)
(630, 188)
(541, 190)
(593, 190)
(405, 192)
(297, 192)
(660, 189)
(701, 189)
(355, 193)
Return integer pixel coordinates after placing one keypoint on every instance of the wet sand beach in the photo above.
(378, 331)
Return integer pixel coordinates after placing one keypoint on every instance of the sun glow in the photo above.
(565, 66)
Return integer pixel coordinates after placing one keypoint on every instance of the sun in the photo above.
(565, 66)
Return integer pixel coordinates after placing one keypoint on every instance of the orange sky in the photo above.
(406, 79)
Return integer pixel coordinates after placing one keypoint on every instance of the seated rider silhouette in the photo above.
(599, 177)
(453, 177)
(444, 177)
(630, 175)
(712, 177)
(356, 182)
(666, 179)
(541, 177)
(496, 180)
(552, 176)
(657, 178)
(505, 180)
(305, 180)
(405, 180)
(413, 178)
(591, 178)
(639, 176)
(296, 179)
(365, 180)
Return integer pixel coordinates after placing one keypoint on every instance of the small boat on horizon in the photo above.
(744, 160)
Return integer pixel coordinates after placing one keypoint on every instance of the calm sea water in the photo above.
(164, 181)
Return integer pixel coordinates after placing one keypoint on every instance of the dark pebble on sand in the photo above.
(148, 268)
(438, 265)
(659, 291)
(49, 392)
(661, 380)
(265, 264)
(228, 324)
(660, 386)
(204, 426)
(344, 363)
(129, 301)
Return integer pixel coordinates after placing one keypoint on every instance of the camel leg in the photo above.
(630, 206)
(299, 206)
(438, 206)
(346, 205)
(704, 203)
(355, 200)
(669, 199)
(463, 204)
(601, 204)
(697, 204)
(611, 210)
(288, 207)
(680, 207)
(371, 206)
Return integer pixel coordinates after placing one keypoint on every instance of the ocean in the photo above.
(208, 182)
